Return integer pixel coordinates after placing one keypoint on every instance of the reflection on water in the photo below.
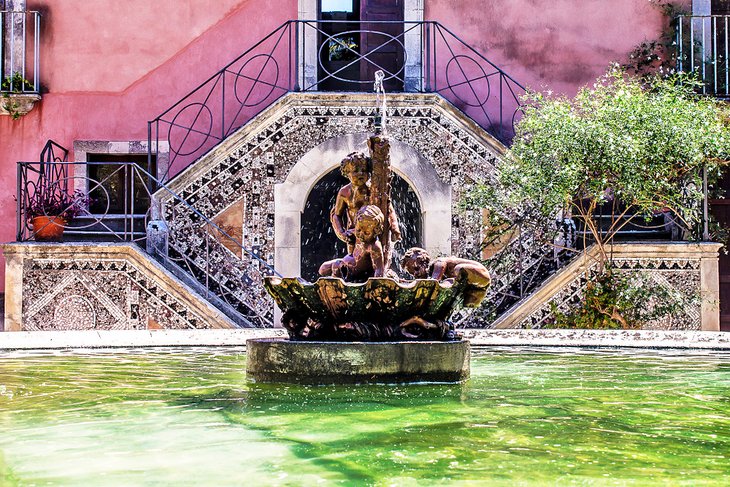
(175, 417)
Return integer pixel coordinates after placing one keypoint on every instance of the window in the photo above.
(338, 6)
(121, 187)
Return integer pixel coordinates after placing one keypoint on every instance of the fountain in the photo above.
(361, 322)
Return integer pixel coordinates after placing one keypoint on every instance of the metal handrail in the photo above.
(58, 180)
(703, 48)
(25, 185)
(280, 63)
(48, 153)
(13, 44)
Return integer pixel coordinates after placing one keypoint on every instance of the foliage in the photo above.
(638, 147)
(658, 56)
(16, 84)
(621, 300)
(635, 145)
(50, 202)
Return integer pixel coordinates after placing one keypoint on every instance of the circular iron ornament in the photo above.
(56, 187)
(256, 80)
(363, 57)
(204, 134)
(467, 82)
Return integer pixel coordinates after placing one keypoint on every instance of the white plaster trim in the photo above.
(81, 148)
(290, 197)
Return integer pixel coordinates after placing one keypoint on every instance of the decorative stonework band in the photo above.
(97, 287)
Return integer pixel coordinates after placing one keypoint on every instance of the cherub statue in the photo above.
(419, 264)
(367, 258)
(352, 197)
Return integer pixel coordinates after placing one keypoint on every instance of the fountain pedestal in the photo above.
(310, 362)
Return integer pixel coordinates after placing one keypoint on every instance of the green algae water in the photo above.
(528, 417)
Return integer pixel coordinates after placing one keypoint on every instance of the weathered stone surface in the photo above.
(75, 286)
(250, 163)
(688, 268)
(277, 360)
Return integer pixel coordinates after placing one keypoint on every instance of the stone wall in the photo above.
(97, 287)
(242, 174)
(687, 268)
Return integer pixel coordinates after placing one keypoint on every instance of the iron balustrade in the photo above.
(702, 48)
(19, 51)
(286, 61)
(62, 180)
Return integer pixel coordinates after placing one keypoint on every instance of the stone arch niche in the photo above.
(319, 242)
(264, 172)
(290, 197)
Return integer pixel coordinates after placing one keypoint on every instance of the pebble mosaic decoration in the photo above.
(682, 275)
(245, 175)
(104, 294)
(265, 157)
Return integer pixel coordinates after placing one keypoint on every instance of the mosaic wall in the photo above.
(102, 294)
(264, 158)
(680, 275)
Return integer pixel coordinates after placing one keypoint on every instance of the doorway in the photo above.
(357, 38)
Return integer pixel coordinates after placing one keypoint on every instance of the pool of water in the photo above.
(529, 417)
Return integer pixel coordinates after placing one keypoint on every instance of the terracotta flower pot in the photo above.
(48, 228)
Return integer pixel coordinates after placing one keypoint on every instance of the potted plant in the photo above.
(49, 211)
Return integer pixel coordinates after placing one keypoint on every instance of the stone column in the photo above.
(13, 23)
(13, 288)
(710, 287)
(413, 42)
(307, 45)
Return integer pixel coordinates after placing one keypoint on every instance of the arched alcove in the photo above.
(319, 242)
(290, 197)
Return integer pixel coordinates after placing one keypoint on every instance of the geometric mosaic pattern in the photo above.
(103, 294)
(682, 275)
(265, 157)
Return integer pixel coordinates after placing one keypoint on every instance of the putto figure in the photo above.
(367, 258)
(419, 264)
(352, 197)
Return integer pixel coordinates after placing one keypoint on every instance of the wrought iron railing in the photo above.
(297, 56)
(202, 249)
(19, 51)
(702, 48)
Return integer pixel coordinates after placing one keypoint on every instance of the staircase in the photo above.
(242, 132)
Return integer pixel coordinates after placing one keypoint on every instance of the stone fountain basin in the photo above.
(330, 299)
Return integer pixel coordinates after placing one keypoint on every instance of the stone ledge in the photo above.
(18, 104)
(680, 340)
(305, 362)
(19, 255)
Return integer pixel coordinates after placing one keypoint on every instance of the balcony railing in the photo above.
(702, 48)
(305, 55)
(19, 51)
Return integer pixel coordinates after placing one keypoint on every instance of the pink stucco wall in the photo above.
(559, 44)
(110, 66)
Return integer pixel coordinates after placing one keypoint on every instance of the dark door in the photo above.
(720, 209)
(353, 44)
(720, 7)
(383, 41)
(115, 188)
